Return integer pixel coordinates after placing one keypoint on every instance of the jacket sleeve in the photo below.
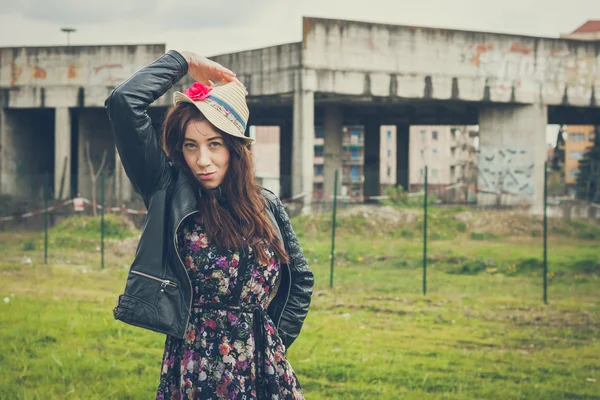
(137, 143)
(302, 280)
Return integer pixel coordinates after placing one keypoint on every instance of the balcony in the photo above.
(353, 160)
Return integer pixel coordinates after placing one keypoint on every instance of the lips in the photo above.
(208, 176)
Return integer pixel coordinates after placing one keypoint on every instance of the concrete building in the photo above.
(341, 73)
(449, 152)
(578, 139)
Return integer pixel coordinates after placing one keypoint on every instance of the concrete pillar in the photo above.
(332, 149)
(371, 165)
(285, 160)
(62, 153)
(303, 140)
(3, 164)
(402, 152)
(512, 155)
(123, 186)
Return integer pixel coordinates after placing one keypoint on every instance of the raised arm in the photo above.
(137, 143)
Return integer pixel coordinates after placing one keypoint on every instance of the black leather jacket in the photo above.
(158, 292)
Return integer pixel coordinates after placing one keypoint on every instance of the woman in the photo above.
(218, 267)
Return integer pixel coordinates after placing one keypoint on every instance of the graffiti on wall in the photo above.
(517, 65)
(505, 169)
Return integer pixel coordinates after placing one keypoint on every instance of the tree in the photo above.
(94, 175)
(588, 178)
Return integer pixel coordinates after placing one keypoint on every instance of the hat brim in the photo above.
(213, 116)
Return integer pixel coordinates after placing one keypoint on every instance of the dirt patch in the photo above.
(123, 247)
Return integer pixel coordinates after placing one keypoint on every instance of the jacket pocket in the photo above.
(134, 311)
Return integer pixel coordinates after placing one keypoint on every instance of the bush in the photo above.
(483, 236)
(400, 198)
(472, 267)
(28, 245)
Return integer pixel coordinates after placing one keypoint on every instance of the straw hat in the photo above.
(224, 106)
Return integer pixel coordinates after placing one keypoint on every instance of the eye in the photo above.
(215, 144)
(189, 145)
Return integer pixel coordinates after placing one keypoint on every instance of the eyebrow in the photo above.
(209, 139)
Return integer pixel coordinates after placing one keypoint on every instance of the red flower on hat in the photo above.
(198, 91)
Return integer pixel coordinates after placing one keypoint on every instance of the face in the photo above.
(205, 153)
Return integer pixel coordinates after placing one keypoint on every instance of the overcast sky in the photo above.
(219, 27)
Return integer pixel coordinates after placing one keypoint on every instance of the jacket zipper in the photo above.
(165, 282)
(183, 266)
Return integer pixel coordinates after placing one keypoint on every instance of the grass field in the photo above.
(481, 332)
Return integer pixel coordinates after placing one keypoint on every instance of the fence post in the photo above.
(545, 233)
(46, 192)
(333, 228)
(102, 220)
(425, 189)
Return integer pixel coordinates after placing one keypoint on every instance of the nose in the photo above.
(203, 160)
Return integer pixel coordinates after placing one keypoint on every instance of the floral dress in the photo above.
(231, 349)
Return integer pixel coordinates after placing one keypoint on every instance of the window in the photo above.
(434, 151)
(389, 135)
(453, 152)
(355, 135)
(354, 154)
(591, 136)
(354, 174)
(421, 171)
(389, 152)
(423, 153)
(577, 137)
(389, 171)
(319, 171)
(318, 152)
(434, 135)
(434, 173)
(575, 155)
(319, 132)
(422, 135)
(573, 173)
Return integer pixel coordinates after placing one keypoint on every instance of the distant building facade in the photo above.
(578, 139)
(265, 155)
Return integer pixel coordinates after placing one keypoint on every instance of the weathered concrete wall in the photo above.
(358, 58)
(512, 154)
(75, 76)
(265, 71)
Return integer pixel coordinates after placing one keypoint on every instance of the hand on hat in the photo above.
(205, 71)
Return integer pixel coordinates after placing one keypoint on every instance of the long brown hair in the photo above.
(243, 220)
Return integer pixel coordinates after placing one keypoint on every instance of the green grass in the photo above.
(481, 332)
